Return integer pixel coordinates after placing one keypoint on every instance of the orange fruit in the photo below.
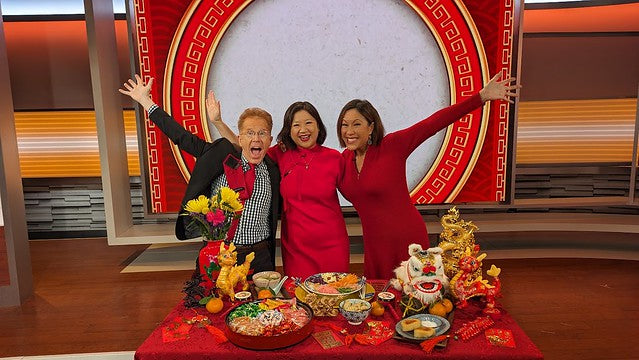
(437, 309)
(214, 305)
(448, 305)
(265, 294)
(377, 309)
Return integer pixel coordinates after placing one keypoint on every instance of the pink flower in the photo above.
(215, 217)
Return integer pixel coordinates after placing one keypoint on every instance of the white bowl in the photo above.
(266, 279)
(355, 310)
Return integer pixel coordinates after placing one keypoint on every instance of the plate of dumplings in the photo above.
(422, 326)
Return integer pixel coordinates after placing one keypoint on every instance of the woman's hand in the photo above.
(215, 118)
(213, 108)
(139, 91)
(498, 89)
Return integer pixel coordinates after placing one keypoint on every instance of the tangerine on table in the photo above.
(437, 309)
(377, 309)
(214, 305)
(265, 294)
(447, 304)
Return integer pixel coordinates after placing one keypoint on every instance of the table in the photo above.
(202, 345)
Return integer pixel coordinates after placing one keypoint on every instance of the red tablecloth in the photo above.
(202, 345)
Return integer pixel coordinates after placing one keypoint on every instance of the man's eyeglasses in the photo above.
(262, 134)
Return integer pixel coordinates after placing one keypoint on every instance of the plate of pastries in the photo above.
(422, 326)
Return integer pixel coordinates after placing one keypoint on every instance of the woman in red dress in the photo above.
(313, 232)
(374, 178)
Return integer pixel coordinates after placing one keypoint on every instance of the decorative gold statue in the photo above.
(231, 274)
(463, 264)
(457, 236)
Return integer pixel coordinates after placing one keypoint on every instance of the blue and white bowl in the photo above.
(355, 310)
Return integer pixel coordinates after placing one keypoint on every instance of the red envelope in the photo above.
(500, 337)
(176, 330)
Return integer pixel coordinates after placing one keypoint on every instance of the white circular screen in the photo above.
(328, 53)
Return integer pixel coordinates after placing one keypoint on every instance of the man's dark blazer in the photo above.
(208, 166)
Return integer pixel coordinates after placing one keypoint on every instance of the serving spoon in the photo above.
(278, 287)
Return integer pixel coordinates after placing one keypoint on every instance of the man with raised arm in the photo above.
(246, 170)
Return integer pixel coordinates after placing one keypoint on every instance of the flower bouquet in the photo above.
(213, 217)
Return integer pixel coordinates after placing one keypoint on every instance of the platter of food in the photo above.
(422, 326)
(324, 291)
(269, 323)
(334, 283)
(301, 294)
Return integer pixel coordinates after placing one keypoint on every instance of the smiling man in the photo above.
(246, 169)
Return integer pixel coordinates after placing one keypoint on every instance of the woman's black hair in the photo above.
(285, 134)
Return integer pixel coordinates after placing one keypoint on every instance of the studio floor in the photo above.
(573, 304)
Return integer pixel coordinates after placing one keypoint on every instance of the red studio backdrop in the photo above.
(176, 41)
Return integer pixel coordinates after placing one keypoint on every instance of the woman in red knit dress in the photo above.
(314, 237)
(313, 232)
(374, 178)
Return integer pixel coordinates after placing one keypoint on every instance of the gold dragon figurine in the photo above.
(231, 274)
(457, 236)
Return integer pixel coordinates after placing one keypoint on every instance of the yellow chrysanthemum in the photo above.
(230, 200)
(214, 203)
(199, 205)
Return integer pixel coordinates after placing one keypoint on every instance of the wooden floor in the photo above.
(571, 308)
